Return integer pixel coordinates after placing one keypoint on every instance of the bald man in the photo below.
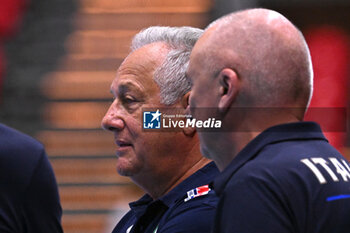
(252, 69)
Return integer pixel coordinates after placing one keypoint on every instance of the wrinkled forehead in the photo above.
(146, 58)
(139, 66)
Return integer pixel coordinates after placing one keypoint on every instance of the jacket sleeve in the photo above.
(42, 208)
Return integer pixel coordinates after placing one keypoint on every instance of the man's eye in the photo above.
(129, 99)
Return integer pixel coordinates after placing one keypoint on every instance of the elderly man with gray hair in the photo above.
(167, 165)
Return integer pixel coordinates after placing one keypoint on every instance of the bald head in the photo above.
(268, 53)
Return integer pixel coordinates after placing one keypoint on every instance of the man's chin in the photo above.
(124, 169)
(124, 172)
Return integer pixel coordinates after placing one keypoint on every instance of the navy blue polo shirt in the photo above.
(288, 179)
(180, 210)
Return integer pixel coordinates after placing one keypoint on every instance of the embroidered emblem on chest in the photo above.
(197, 192)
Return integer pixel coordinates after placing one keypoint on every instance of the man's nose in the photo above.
(112, 121)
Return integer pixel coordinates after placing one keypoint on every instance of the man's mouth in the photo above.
(123, 144)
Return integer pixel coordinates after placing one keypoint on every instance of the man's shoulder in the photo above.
(191, 212)
(14, 140)
(19, 156)
(189, 205)
(287, 155)
(293, 178)
(194, 193)
(304, 163)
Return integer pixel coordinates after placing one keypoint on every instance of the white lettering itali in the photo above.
(324, 163)
(346, 164)
(340, 169)
(315, 170)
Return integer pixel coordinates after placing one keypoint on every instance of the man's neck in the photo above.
(185, 161)
(157, 189)
(231, 144)
(198, 165)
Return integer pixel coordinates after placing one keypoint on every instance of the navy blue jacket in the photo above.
(29, 201)
(180, 210)
(287, 180)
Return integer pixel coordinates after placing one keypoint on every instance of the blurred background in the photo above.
(58, 58)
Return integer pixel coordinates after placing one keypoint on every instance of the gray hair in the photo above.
(170, 76)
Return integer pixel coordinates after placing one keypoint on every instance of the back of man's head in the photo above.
(268, 53)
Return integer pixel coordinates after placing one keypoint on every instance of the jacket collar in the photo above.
(203, 176)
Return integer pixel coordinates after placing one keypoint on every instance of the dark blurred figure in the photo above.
(29, 200)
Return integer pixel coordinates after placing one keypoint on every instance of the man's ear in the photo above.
(229, 88)
(185, 100)
(189, 131)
